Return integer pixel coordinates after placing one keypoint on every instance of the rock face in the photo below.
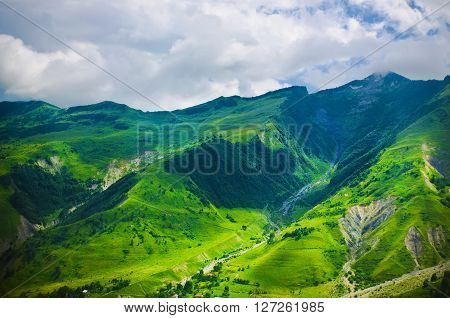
(361, 220)
(118, 169)
(24, 230)
(413, 242)
(52, 165)
(115, 171)
(437, 237)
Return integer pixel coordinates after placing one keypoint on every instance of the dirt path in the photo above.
(346, 269)
(419, 275)
(210, 266)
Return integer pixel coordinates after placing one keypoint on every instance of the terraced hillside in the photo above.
(285, 194)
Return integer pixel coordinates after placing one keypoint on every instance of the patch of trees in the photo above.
(217, 267)
(192, 287)
(107, 199)
(362, 276)
(39, 193)
(331, 224)
(237, 180)
(241, 281)
(201, 277)
(118, 283)
(230, 218)
(439, 182)
(85, 290)
(298, 233)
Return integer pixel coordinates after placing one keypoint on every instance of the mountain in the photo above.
(344, 192)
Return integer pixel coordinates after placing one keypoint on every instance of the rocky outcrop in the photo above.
(433, 166)
(413, 242)
(361, 220)
(24, 230)
(437, 237)
(115, 171)
(52, 165)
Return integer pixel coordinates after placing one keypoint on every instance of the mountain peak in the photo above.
(22, 107)
(285, 91)
(107, 104)
(101, 106)
(386, 76)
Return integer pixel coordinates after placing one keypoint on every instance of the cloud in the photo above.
(183, 53)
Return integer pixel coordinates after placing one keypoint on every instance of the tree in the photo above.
(434, 277)
(271, 238)
(188, 287)
(226, 291)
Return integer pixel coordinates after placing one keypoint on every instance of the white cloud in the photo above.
(183, 53)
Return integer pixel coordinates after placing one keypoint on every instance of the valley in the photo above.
(340, 193)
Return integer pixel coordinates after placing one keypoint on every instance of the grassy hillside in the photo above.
(307, 258)
(285, 194)
(160, 232)
(83, 150)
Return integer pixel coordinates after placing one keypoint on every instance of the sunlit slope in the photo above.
(403, 201)
(114, 213)
(54, 160)
(161, 232)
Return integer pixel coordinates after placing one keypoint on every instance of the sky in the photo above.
(180, 53)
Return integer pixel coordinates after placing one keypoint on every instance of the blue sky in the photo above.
(181, 53)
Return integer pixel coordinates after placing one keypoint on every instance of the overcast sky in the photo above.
(181, 53)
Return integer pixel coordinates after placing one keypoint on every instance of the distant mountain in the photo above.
(287, 194)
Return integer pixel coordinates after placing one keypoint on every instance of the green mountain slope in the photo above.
(285, 194)
(405, 191)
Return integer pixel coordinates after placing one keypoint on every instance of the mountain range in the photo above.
(340, 193)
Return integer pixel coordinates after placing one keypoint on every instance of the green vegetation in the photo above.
(231, 198)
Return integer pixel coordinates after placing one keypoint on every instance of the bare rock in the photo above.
(437, 237)
(361, 220)
(24, 230)
(52, 165)
(413, 242)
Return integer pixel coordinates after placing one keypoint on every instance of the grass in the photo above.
(147, 241)
(288, 267)
(312, 265)
(9, 218)
(153, 229)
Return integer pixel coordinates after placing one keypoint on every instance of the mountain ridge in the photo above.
(92, 177)
(372, 77)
